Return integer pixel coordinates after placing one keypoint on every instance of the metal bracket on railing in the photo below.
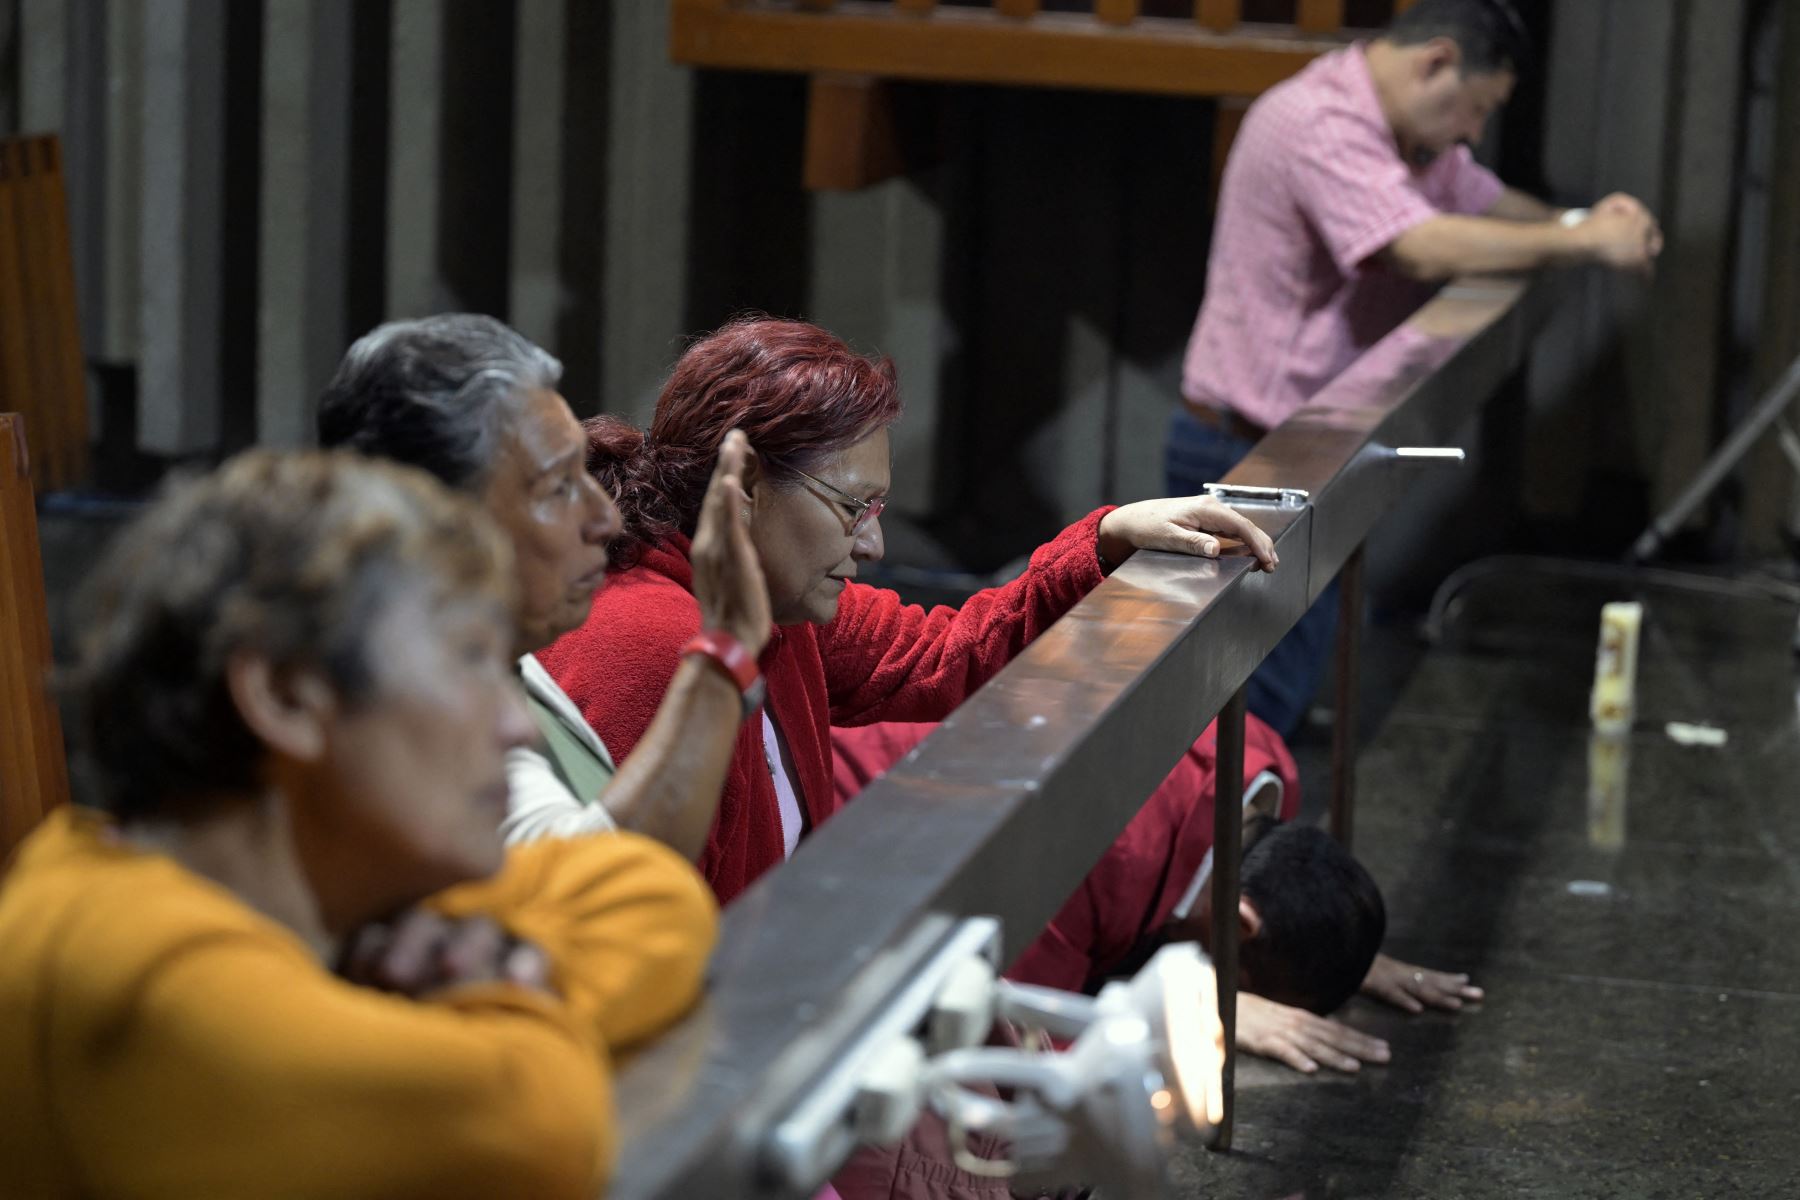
(1452, 454)
(1263, 497)
(819, 1133)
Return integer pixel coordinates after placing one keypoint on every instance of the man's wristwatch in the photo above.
(729, 655)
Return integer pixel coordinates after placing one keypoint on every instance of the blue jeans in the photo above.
(1284, 685)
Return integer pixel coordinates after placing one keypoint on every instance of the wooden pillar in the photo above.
(1221, 16)
(1320, 16)
(1116, 12)
(852, 133)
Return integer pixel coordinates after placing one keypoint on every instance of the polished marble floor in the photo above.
(1641, 1036)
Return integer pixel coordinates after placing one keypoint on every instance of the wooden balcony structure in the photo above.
(854, 49)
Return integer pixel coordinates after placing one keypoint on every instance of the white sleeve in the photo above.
(539, 805)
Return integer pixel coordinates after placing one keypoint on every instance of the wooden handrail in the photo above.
(33, 772)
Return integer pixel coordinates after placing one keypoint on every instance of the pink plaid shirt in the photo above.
(1314, 188)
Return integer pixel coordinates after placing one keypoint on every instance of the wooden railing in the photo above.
(33, 772)
(1227, 49)
(42, 376)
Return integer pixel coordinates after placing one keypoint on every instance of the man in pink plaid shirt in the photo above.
(1349, 195)
(1351, 191)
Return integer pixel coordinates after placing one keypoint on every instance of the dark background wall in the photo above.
(256, 182)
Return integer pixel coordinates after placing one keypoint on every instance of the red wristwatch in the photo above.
(729, 655)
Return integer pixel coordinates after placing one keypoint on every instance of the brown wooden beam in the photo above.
(852, 137)
(981, 47)
(1116, 12)
(1320, 16)
(1018, 10)
(1220, 15)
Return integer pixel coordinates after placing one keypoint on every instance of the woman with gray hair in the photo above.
(290, 957)
(475, 403)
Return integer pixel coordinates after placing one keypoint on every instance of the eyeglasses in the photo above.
(862, 512)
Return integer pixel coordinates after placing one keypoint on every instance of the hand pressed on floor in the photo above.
(1303, 1040)
(1415, 988)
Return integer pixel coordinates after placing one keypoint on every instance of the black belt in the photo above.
(1225, 420)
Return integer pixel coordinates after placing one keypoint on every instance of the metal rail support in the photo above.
(1343, 724)
(1228, 833)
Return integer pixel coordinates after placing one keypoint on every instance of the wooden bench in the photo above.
(42, 375)
(33, 771)
(852, 49)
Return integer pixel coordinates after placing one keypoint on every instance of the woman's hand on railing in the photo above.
(421, 952)
(1182, 525)
(1301, 1039)
(1413, 988)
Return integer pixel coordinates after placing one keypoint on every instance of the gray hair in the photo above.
(292, 557)
(434, 393)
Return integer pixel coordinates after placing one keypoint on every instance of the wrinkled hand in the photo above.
(1184, 525)
(728, 576)
(1413, 988)
(421, 952)
(1622, 234)
(1301, 1039)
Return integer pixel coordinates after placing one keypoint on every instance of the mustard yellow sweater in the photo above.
(159, 1038)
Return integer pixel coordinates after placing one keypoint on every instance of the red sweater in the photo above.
(879, 660)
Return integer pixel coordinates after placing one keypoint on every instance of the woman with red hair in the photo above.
(843, 653)
(817, 416)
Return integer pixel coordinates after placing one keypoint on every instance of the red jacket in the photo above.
(1137, 883)
(879, 660)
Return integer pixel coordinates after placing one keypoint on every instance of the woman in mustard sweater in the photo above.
(289, 959)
